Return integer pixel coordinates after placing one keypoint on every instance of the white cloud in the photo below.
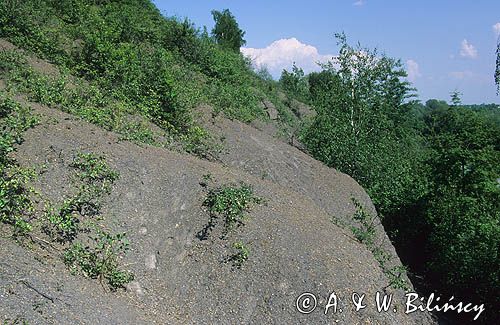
(471, 76)
(496, 29)
(413, 70)
(461, 75)
(359, 3)
(468, 50)
(281, 54)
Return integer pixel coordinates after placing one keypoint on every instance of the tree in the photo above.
(497, 70)
(295, 83)
(456, 98)
(463, 206)
(226, 30)
(264, 74)
(363, 126)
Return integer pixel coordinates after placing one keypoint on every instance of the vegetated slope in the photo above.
(268, 158)
(183, 274)
(136, 61)
(180, 278)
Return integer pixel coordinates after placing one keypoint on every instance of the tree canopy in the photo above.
(432, 170)
(360, 101)
(497, 70)
(226, 30)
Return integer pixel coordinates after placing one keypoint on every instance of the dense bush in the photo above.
(295, 83)
(432, 171)
(362, 127)
(463, 207)
(15, 195)
(161, 66)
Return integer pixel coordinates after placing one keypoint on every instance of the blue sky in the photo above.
(445, 45)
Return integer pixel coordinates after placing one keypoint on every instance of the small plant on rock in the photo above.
(241, 255)
(94, 171)
(366, 232)
(97, 178)
(231, 202)
(100, 261)
(15, 194)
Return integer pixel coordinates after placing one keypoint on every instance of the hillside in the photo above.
(149, 171)
(295, 247)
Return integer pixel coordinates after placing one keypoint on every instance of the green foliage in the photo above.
(497, 69)
(18, 320)
(200, 143)
(226, 30)
(231, 202)
(363, 126)
(15, 194)
(295, 83)
(89, 102)
(365, 233)
(15, 199)
(138, 132)
(473, 247)
(488, 111)
(134, 62)
(241, 255)
(100, 261)
(456, 98)
(29, 23)
(463, 210)
(96, 178)
(432, 171)
(464, 151)
(456, 223)
(397, 277)
(94, 171)
(264, 74)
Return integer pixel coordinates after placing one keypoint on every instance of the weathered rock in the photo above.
(270, 109)
(179, 278)
(294, 245)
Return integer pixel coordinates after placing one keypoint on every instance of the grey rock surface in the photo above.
(179, 278)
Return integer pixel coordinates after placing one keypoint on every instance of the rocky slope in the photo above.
(299, 237)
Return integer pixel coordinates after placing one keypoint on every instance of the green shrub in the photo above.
(231, 202)
(155, 66)
(241, 256)
(97, 178)
(100, 261)
(16, 204)
(15, 194)
(94, 171)
(365, 233)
